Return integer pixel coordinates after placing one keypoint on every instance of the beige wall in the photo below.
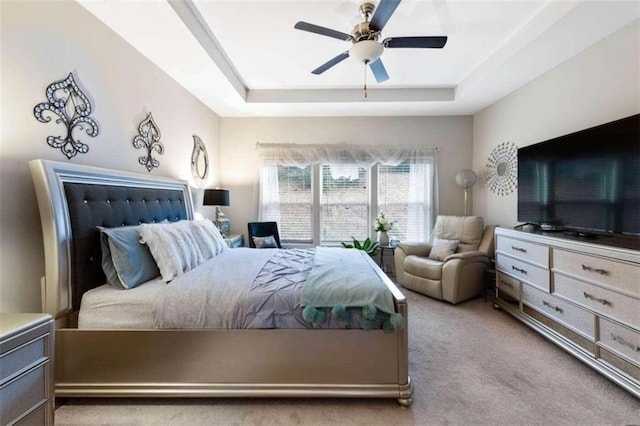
(599, 85)
(452, 136)
(43, 42)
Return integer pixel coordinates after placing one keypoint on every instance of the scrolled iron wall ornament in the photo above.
(71, 105)
(149, 138)
(199, 161)
(502, 169)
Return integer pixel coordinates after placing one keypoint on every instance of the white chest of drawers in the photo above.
(26, 366)
(582, 296)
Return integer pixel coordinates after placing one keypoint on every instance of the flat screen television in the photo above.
(587, 181)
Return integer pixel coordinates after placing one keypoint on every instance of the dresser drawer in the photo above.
(37, 417)
(606, 302)
(526, 272)
(620, 340)
(21, 357)
(508, 285)
(569, 315)
(23, 393)
(531, 252)
(618, 275)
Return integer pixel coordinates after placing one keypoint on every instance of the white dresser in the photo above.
(26, 368)
(583, 296)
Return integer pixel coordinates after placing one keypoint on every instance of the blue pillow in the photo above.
(125, 261)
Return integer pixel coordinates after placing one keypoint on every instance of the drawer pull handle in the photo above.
(520, 249)
(597, 271)
(592, 297)
(555, 308)
(522, 271)
(506, 284)
(623, 342)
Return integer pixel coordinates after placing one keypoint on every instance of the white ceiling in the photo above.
(244, 58)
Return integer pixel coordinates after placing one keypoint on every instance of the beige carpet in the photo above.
(470, 365)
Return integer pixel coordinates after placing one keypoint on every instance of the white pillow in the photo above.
(443, 248)
(265, 242)
(172, 246)
(208, 238)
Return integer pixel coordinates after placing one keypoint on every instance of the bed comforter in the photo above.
(249, 288)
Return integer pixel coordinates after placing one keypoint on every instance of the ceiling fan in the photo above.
(364, 36)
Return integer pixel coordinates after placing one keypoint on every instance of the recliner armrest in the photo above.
(415, 248)
(468, 255)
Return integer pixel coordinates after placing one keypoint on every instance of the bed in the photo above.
(111, 361)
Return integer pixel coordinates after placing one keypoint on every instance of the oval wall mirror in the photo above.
(199, 162)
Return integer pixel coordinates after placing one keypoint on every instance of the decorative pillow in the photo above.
(125, 261)
(208, 238)
(443, 248)
(173, 247)
(265, 242)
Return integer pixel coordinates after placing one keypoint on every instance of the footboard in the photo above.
(233, 363)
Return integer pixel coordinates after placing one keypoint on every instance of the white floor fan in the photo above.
(465, 179)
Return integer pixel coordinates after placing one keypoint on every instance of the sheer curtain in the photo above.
(407, 194)
(422, 193)
(269, 206)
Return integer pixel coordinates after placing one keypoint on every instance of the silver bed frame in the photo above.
(208, 362)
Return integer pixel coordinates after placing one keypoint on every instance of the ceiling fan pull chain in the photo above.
(365, 80)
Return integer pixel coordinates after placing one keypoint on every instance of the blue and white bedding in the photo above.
(249, 288)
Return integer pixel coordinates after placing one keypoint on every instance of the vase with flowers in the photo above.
(383, 226)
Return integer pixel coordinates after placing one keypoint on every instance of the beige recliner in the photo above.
(456, 277)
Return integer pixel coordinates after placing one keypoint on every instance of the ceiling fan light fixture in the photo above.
(366, 51)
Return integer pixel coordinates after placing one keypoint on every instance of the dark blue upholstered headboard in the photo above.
(73, 201)
(93, 205)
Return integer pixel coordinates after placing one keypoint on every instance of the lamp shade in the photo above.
(216, 197)
(366, 51)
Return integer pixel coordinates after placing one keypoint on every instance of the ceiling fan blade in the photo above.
(379, 71)
(434, 42)
(305, 26)
(322, 68)
(383, 12)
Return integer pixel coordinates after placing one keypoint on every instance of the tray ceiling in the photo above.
(244, 58)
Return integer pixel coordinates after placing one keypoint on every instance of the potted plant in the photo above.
(368, 246)
(383, 226)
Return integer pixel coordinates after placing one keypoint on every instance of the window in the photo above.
(403, 192)
(326, 195)
(344, 202)
(296, 198)
(287, 199)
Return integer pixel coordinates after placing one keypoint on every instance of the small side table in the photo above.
(382, 250)
(489, 280)
(234, 241)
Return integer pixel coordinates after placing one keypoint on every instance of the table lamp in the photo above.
(216, 197)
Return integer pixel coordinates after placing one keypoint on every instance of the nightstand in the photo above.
(235, 241)
(26, 368)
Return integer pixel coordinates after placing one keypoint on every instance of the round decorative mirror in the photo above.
(502, 169)
(199, 162)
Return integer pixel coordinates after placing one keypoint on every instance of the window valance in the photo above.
(302, 155)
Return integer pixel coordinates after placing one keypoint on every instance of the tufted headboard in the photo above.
(73, 201)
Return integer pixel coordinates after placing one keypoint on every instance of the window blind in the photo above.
(344, 203)
(403, 194)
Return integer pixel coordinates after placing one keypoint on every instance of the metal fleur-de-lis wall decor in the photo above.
(73, 108)
(149, 138)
